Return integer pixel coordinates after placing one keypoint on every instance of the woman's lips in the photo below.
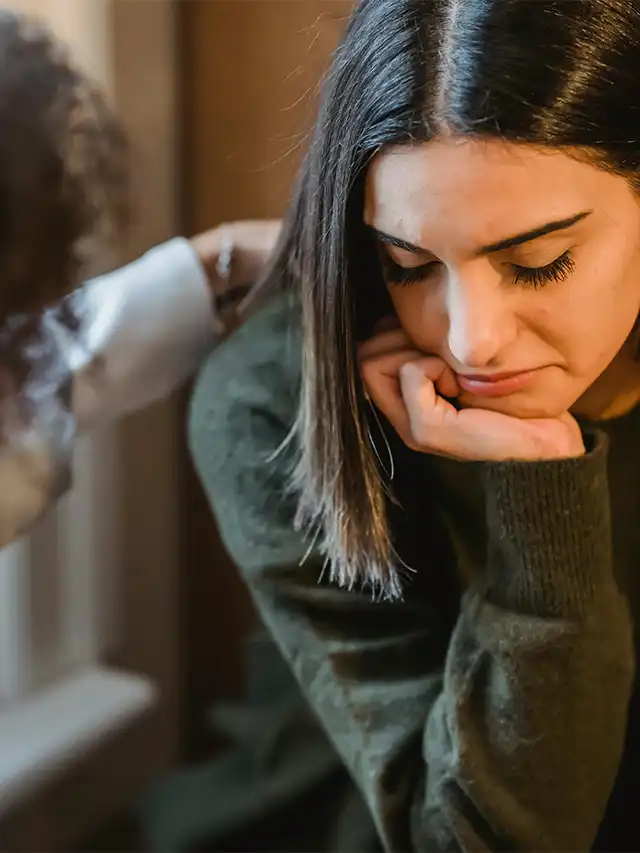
(497, 385)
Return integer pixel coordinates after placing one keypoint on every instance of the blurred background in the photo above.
(122, 621)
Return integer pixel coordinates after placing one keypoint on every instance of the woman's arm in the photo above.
(146, 328)
(507, 734)
(149, 325)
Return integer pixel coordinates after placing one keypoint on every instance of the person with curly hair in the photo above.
(75, 353)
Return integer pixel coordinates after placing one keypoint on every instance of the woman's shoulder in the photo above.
(242, 411)
(257, 369)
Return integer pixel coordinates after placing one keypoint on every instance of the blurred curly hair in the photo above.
(64, 187)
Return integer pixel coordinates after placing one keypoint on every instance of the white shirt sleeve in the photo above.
(147, 328)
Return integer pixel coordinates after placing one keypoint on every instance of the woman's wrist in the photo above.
(549, 522)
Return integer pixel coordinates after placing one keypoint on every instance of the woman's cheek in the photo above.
(423, 321)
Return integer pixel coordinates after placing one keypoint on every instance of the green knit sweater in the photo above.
(489, 709)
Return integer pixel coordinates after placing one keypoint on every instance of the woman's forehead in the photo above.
(483, 190)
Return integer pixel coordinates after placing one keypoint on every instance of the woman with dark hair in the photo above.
(426, 461)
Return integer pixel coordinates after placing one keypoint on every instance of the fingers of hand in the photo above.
(431, 417)
(387, 324)
(380, 376)
(437, 427)
(393, 339)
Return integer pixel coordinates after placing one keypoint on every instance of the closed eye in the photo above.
(536, 277)
(396, 274)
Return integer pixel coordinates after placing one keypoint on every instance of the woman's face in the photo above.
(519, 268)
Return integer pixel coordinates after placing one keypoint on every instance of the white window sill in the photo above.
(55, 726)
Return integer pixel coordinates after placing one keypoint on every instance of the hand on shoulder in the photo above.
(234, 256)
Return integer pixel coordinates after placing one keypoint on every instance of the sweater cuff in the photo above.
(550, 531)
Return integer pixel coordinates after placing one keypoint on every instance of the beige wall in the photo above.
(83, 25)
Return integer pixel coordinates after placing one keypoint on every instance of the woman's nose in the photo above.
(481, 320)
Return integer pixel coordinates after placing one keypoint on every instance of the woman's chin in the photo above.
(519, 405)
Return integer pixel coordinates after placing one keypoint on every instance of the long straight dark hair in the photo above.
(558, 73)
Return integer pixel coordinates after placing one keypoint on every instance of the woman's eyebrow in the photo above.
(500, 245)
(534, 233)
(398, 242)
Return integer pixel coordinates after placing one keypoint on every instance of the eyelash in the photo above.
(535, 277)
